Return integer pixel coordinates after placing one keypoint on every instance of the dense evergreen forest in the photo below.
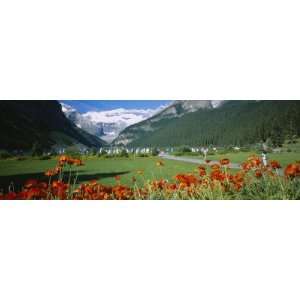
(29, 124)
(236, 123)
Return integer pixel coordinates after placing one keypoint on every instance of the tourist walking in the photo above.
(264, 158)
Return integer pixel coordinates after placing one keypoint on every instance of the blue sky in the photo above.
(100, 105)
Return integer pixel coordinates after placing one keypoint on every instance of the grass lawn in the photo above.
(101, 169)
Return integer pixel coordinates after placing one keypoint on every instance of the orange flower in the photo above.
(187, 179)
(246, 166)
(10, 196)
(215, 166)
(30, 183)
(202, 171)
(58, 169)
(70, 161)
(78, 162)
(160, 163)
(275, 164)
(207, 161)
(292, 170)
(93, 182)
(224, 161)
(258, 174)
(50, 173)
(171, 187)
(217, 175)
(63, 159)
(121, 192)
(158, 184)
(34, 193)
(118, 178)
(254, 161)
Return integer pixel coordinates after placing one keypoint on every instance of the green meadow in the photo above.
(15, 172)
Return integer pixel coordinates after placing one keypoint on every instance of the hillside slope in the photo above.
(144, 129)
(232, 123)
(22, 123)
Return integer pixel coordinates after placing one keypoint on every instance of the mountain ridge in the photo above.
(25, 122)
(231, 123)
(176, 109)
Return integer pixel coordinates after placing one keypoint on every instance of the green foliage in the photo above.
(94, 151)
(4, 154)
(21, 158)
(178, 153)
(37, 149)
(73, 151)
(235, 123)
(185, 149)
(22, 123)
(155, 152)
(102, 153)
(223, 151)
(45, 157)
(124, 153)
(143, 155)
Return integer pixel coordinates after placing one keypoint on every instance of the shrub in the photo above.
(210, 152)
(223, 151)
(245, 149)
(185, 149)
(143, 155)
(103, 153)
(155, 152)
(73, 151)
(37, 149)
(178, 153)
(45, 157)
(4, 154)
(123, 153)
(20, 158)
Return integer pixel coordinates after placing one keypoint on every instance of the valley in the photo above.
(174, 150)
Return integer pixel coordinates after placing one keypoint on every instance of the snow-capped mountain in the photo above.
(175, 110)
(107, 124)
